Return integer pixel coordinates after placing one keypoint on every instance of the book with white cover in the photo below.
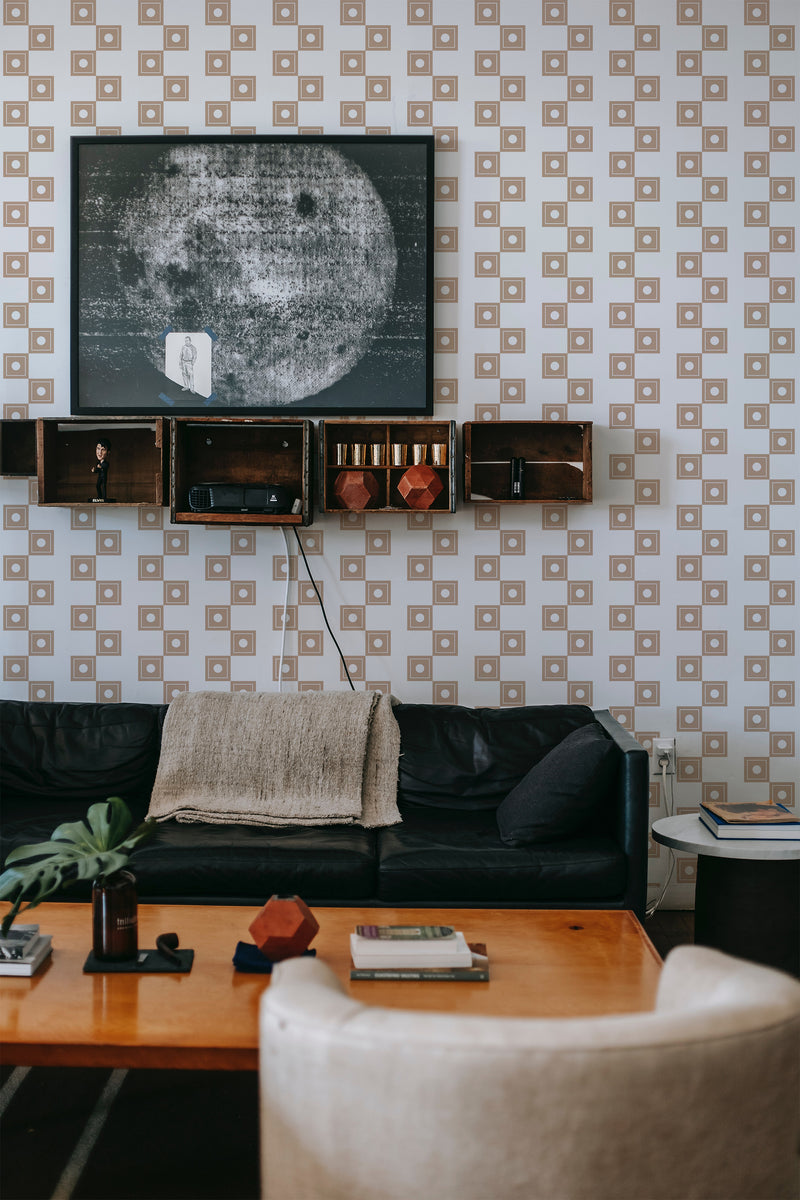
(436, 952)
(31, 962)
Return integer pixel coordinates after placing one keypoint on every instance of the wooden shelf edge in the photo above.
(105, 504)
(196, 518)
(390, 509)
(533, 500)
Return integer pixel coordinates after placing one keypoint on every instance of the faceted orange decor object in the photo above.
(419, 486)
(284, 928)
(355, 489)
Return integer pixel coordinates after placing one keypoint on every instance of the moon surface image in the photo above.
(284, 253)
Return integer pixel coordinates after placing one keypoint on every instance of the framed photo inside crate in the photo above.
(247, 275)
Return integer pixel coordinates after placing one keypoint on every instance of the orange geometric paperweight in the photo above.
(419, 486)
(355, 489)
(284, 928)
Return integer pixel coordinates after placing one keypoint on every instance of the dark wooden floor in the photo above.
(670, 928)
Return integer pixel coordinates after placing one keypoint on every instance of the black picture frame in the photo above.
(252, 275)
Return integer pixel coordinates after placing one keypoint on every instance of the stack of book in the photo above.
(432, 952)
(23, 950)
(746, 821)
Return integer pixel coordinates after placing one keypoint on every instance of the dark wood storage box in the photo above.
(386, 434)
(138, 459)
(241, 451)
(17, 447)
(557, 454)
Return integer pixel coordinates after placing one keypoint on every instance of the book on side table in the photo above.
(432, 953)
(743, 821)
(23, 950)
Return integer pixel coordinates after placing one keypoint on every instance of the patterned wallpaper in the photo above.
(615, 233)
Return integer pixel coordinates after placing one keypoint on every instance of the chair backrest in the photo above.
(700, 1098)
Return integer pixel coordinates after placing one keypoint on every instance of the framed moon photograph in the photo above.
(252, 275)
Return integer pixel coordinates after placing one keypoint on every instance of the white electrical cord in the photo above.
(669, 804)
(285, 608)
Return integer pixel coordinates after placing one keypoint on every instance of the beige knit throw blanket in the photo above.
(265, 758)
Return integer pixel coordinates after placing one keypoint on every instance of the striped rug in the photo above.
(94, 1134)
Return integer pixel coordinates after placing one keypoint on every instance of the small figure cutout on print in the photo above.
(187, 362)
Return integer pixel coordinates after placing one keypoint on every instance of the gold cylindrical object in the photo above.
(439, 454)
(358, 453)
(399, 454)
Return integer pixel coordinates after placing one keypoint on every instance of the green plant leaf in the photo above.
(142, 833)
(75, 851)
(35, 851)
(120, 817)
(10, 915)
(109, 821)
(73, 831)
(9, 882)
(98, 820)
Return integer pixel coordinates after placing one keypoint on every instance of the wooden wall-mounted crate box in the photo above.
(557, 454)
(385, 476)
(137, 458)
(240, 454)
(17, 447)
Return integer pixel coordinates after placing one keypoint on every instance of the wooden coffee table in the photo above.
(544, 963)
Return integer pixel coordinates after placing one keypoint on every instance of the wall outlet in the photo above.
(663, 746)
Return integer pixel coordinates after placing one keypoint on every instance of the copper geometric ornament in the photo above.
(284, 927)
(419, 486)
(355, 489)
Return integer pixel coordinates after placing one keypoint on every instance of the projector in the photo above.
(239, 497)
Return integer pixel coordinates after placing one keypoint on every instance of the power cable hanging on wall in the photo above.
(285, 609)
(321, 605)
(669, 804)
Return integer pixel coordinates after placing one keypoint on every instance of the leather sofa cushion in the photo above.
(558, 796)
(227, 863)
(470, 758)
(86, 752)
(249, 863)
(449, 857)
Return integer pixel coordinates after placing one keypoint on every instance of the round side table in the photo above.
(747, 900)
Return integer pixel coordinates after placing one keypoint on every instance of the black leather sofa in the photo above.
(456, 766)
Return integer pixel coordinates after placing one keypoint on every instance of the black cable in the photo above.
(322, 607)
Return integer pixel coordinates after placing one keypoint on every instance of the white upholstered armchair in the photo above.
(700, 1098)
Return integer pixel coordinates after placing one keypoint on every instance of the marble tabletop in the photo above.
(687, 832)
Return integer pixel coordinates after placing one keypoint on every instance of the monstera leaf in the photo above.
(77, 850)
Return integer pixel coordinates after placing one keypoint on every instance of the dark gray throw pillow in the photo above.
(560, 793)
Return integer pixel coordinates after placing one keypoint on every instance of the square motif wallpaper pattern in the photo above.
(615, 233)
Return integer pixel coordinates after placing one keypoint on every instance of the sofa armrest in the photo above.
(633, 802)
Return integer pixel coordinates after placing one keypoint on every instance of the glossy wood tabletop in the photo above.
(543, 963)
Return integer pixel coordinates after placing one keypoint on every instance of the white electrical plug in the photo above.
(664, 748)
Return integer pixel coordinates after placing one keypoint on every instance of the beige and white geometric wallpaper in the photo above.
(615, 232)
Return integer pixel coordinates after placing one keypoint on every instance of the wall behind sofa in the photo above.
(658, 309)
